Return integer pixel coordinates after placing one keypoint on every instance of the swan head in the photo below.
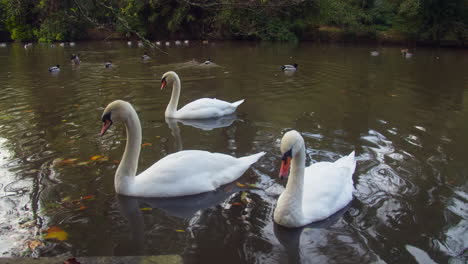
(114, 112)
(291, 143)
(167, 77)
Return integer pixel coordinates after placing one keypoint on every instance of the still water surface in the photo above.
(407, 120)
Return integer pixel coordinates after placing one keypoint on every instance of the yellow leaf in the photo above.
(96, 157)
(240, 184)
(82, 163)
(146, 209)
(64, 120)
(33, 244)
(180, 230)
(56, 233)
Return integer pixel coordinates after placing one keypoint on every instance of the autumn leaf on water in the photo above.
(180, 230)
(99, 158)
(88, 197)
(83, 163)
(146, 144)
(81, 208)
(245, 199)
(146, 209)
(33, 244)
(28, 111)
(237, 204)
(55, 232)
(240, 184)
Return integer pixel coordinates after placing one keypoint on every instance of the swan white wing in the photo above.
(206, 108)
(328, 187)
(190, 172)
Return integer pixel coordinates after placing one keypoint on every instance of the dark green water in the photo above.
(407, 120)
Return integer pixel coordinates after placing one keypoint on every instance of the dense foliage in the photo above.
(283, 20)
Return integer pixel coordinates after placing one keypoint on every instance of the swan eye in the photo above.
(106, 117)
(286, 155)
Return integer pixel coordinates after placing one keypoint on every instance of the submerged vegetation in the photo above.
(434, 21)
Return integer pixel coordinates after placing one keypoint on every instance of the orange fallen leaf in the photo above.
(240, 184)
(82, 208)
(28, 111)
(237, 204)
(88, 197)
(96, 157)
(33, 244)
(146, 144)
(55, 232)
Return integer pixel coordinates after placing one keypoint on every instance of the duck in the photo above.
(374, 53)
(140, 44)
(208, 61)
(75, 59)
(406, 53)
(72, 44)
(129, 43)
(198, 109)
(145, 56)
(177, 42)
(288, 67)
(186, 42)
(3, 45)
(312, 193)
(55, 68)
(158, 43)
(108, 64)
(183, 173)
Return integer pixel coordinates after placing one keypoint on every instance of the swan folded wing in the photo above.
(328, 187)
(189, 172)
(206, 108)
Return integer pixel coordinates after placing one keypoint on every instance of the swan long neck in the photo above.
(129, 163)
(172, 106)
(295, 185)
(289, 208)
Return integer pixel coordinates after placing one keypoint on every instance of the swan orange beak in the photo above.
(105, 126)
(284, 170)
(163, 84)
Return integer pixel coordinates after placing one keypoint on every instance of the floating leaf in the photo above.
(245, 199)
(33, 244)
(146, 209)
(252, 185)
(88, 197)
(180, 230)
(237, 204)
(96, 157)
(64, 120)
(81, 208)
(56, 233)
(83, 163)
(65, 199)
(146, 144)
(28, 224)
(28, 111)
(240, 184)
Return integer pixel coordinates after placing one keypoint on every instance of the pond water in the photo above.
(407, 120)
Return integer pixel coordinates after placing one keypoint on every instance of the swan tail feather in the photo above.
(347, 161)
(237, 103)
(253, 158)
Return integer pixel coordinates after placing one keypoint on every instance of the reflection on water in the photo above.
(406, 119)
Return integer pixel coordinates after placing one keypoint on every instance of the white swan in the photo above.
(198, 109)
(182, 173)
(325, 188)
